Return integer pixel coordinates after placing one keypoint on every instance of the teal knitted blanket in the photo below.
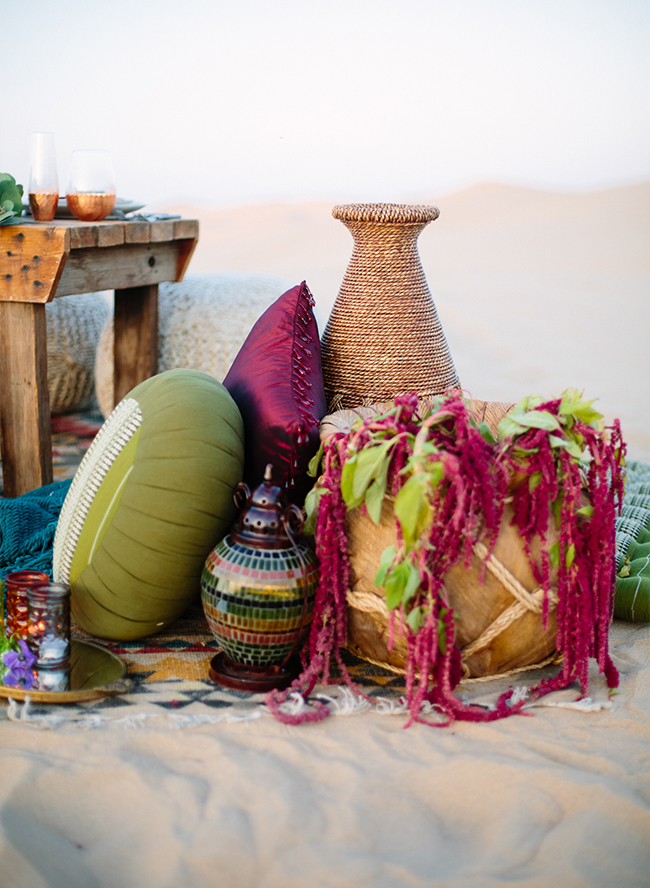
(27, 528)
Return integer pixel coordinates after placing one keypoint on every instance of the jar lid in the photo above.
(263, 521)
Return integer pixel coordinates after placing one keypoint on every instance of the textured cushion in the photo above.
(150, 499)
(202, 323)
(74, 325)
(276, 381)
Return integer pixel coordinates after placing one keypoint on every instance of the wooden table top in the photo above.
(39, 260)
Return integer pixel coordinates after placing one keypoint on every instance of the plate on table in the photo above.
(62, 211)
(94, 672)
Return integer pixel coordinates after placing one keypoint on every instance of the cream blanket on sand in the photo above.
(559, 798)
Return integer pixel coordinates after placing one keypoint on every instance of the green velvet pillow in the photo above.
(151, 498)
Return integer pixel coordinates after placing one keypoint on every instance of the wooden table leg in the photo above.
(25, 429)
(136, 337)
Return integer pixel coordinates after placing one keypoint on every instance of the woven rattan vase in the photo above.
(383, 337)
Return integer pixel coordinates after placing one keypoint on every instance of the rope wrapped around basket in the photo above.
(383, 337)
(496, 600)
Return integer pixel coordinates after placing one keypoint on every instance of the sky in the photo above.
(225, 102)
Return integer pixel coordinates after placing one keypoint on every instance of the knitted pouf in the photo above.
(202, 324)
(74, 325)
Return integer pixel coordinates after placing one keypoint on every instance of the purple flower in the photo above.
(19, 677)
(28, 656)
(11, 659)
(17, 664)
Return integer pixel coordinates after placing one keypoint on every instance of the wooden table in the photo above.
(43, 260)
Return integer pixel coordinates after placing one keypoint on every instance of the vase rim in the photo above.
(390, 213)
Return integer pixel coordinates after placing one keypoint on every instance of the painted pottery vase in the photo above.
(383, 337)
(257, 589)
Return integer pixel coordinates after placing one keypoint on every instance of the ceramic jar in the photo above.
(257, 589)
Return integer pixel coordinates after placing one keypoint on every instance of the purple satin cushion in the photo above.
(276, 380)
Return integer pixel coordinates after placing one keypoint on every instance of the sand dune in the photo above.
(536, 291)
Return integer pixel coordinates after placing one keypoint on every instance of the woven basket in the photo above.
(499, 626)
(383, 337)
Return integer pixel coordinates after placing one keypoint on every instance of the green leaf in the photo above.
(412, 508)
(9, 214)
(395, 585)
(347, 478)
(570, 555)
(533, 402)
(587, 511)
(568, 444)
(442, 632)
(436, 472)
(312, 504)
(534, 419)
(554, 554)
(415, 618)
(369, 465)
(376, 492)
(509, 428)
(573, 405)
(314, 462)
(387, 558)
(574, 449)
(486, 434)
(534, 481)
(412, 584)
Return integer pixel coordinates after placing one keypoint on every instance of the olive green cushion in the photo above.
(151, 498)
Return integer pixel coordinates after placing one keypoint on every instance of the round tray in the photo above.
(94, 672)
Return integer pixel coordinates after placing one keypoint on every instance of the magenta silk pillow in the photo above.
(276, 380)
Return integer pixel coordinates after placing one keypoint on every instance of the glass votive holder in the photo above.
(15, 599)
(43, 179)
(49, 623)
(55, 679)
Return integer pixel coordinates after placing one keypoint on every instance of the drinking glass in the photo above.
(43, 181)
(91, 188)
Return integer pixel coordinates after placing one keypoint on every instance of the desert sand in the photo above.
(536, 292)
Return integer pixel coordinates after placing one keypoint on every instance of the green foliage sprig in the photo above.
(11, 198)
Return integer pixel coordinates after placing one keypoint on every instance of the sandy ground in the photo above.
(536, 291)
(560, 798)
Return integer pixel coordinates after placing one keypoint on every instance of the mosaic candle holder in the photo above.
(15, 600)
(257, 589)
(48, 629)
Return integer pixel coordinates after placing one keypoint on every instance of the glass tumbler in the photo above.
(48, 618)
(91, 188)
(43, 179)
(16, 585)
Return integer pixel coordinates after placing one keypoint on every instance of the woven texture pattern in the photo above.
(74, 325)
(202, 324)
(635, 515)
(384, 337)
